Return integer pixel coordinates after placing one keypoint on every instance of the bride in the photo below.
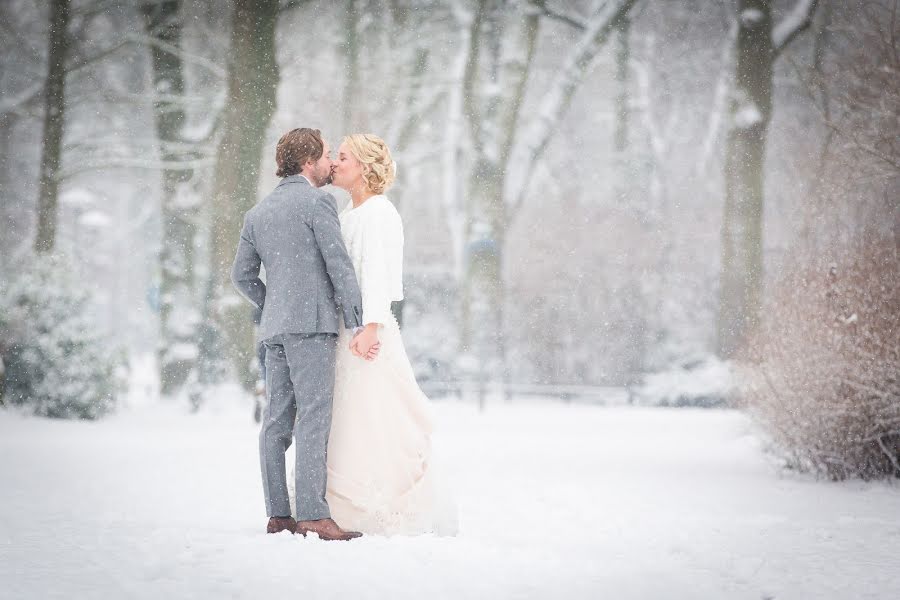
(381, 476)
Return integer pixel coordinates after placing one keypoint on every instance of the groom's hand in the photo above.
(365, 344)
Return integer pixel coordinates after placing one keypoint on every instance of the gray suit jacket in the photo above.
(295, 233)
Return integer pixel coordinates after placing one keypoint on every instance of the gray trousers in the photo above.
(300, 393)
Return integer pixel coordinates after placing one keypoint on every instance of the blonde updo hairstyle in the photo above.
(378, 169)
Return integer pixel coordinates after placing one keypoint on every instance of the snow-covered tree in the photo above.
(504, 152)
(56, 362)
(180, 309)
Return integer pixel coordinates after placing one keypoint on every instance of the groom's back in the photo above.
(299, 292)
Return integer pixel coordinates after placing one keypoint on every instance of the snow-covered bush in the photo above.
(55, 360)
(704, 382)
(823, 371)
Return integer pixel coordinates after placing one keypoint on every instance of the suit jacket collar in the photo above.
(294, 179)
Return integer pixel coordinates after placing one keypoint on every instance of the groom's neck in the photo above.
(309, 178)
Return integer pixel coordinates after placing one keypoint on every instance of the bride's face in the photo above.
(347, 170)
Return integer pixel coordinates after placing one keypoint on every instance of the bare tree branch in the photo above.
(89, 60)
(15, 102)
(563, 87)
(291, 5)
(720, 99)
(120, 162)
(559, 15)
(793, 25)
(209, 65)
(845, 133)
(469, 100)
(97, 7)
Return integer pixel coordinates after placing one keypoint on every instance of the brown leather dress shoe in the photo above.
(277, 524)
(326, 529)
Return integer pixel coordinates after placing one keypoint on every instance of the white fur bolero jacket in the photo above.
(373, 234)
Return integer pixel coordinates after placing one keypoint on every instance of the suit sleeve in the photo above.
(245, 270)
(327, 229)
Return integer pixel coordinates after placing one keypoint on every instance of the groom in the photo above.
(295, 234)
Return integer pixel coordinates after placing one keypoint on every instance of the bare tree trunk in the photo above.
(452, 168)
(351, 81)
(407, 33)
(179, 313)
(54, 123)
(654, 135)
(493, 98)
(812, 208)
(10, 206)
(750, 110)
(623, 53)
(470, 110)
(251, 98)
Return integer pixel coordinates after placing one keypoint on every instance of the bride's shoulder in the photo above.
(387, 208)
(381, 201)
(379, 208)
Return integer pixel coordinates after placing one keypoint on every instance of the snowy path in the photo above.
(556, 502)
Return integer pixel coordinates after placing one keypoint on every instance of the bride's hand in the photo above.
(365, 344)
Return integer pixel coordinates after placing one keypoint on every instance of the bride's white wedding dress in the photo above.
(381, 474)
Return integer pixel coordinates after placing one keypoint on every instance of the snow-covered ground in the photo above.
(556, 501)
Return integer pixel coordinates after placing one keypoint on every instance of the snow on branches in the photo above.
(822, 370)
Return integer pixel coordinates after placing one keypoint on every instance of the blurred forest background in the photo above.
(595, 194)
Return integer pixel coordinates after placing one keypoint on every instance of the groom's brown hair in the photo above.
(295, 148)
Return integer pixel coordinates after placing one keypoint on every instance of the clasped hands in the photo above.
(365, 343)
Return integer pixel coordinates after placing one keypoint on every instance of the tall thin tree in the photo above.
(251, 99)
(620, 134)
(179, 312)
(349, 114)
(759, 44)
(54, 124)
(494, 87)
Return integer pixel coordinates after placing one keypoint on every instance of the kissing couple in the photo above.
(338, 381)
